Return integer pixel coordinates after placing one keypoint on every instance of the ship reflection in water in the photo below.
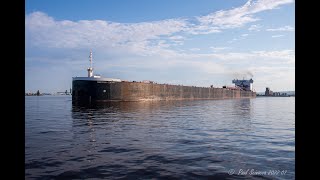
(169, 139)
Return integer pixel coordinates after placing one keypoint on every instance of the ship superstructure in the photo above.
(243, 84)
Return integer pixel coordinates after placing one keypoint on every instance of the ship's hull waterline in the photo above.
(99, 91)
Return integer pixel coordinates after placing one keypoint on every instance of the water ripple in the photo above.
(161, 140)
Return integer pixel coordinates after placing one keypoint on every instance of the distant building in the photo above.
(276, 94)
(268, 92)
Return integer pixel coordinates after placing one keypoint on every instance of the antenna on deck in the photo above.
(90, 59)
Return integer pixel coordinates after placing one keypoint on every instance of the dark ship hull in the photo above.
(98, 90)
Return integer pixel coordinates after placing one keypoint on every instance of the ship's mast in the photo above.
(90, 59)
(90, 69)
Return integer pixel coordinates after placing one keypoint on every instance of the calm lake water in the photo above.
(203, 139)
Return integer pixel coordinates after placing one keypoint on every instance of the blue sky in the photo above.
(188, 42)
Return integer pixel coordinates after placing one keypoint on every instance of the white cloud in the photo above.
(228, 18)
(285, 28)
(255, 27)
(218, 49)
(276, 36)
(283, 54)
(277, 78)
(143, 39)
(262, 5)
(201, 29)
(194, 49)
(239, 16)
(44, 31)
(244, 35)
(282, 57)
(177, 38)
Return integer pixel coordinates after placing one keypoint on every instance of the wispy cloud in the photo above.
(276, 36)
(202, 29)
(218, 49)
(285, 28)
(194, 49)
(239, 16)
(145, 38)
(44, 31)
(274, 77)
(287, 54)
(241, 37)
(255, 27)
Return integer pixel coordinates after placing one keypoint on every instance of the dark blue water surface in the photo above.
(203, 139)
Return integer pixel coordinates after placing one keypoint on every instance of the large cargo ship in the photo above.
(95, 88)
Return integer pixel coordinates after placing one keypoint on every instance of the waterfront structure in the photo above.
(268, 92)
